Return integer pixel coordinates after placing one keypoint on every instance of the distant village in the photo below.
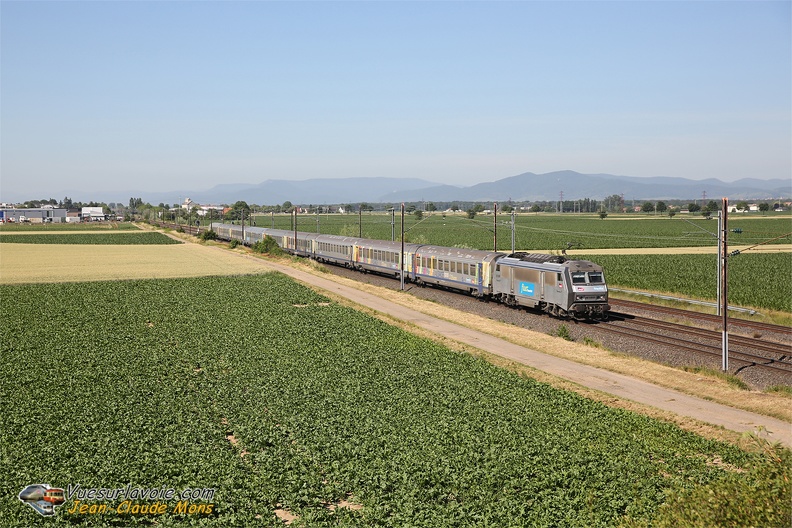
(66, 211)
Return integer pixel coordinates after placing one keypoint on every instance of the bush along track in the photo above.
(286, 403)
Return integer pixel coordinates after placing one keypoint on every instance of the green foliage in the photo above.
(563, 332)
(137, 238)
(592, 343)
(786, 390)
(208, 235)
(326, 404)
(761, 495)
(268, 246)
(62, 226)
(233, 243)
(760, 280)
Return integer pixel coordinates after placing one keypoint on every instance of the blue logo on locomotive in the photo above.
(527, 288)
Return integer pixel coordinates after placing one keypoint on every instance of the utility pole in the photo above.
(401, 257)
(495, 226)
(294, 214)
(724, 284)
(512, 229)
(360, 221)
(720, 261)
(393, 224)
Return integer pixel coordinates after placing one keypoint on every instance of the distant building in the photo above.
(38, 215)
(93, 214)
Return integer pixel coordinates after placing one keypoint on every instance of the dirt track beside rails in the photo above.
(649, 398)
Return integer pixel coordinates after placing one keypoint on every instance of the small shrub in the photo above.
(590, 342)
(234, 243)
(268, 246)
(208, 235)
(563, 332)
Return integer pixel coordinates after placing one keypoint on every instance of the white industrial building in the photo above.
(93, 214)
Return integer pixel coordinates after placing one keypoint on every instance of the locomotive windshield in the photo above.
(594, 277)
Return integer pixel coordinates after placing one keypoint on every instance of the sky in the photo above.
(103, 97)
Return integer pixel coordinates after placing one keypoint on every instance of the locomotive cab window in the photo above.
(579, 277)
(595, 277)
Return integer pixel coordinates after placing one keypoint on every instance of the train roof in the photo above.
(539, 258)
(458, 253)
(385, 245)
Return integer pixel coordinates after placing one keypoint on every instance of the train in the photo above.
(554, 284)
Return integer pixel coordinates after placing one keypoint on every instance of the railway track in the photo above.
(702, 317)
(749, 352)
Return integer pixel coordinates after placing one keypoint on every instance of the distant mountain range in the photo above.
(523, 187)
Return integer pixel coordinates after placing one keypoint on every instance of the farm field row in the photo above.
(64, 227)
(265, 400)
(92, 238)
(33, 263)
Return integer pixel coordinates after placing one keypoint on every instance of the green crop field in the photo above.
(760, 280)
(61, 226)
(542, 232)
(98, 238)
(279, 400)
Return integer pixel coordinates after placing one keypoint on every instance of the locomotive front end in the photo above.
(589, 292)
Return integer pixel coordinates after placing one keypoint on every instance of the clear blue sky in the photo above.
(111, 96)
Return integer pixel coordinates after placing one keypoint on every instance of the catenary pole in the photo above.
(724, 285)
(495, 226)
(512, 229)
(720, 260)
(401, 258)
